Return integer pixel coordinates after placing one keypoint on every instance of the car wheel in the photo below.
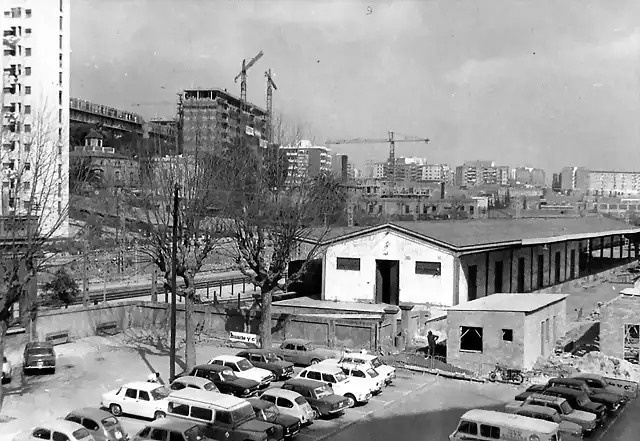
(115, 409)
(315, 361)
(159, 415)
(352, 400)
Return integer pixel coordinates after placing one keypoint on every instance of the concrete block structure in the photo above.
(620, 327)
(510, 329)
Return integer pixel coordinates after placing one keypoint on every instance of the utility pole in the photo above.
(174, 259)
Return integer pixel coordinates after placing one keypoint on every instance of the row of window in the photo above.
(424, 268)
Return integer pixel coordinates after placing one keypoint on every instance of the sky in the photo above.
(542, 83)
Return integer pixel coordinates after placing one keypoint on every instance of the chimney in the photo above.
(441, 189)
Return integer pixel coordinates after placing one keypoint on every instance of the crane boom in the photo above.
(243, 75)
(271, 86)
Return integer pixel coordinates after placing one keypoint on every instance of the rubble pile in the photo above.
(593, 362)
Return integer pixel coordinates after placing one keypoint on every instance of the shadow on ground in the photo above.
(154, 341)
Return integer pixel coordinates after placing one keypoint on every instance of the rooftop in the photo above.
(525, 303)
(217, 92)
(478, 233)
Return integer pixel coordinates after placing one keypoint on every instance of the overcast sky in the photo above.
(544, 83)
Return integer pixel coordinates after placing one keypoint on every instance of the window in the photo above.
(27, 12)
(7, 14)
(57, 436)
(301, 348)
(60, 116)
(283, 402)
(144, 432)
(468, 427)
(542, 339)
(540, 271)
(489, 431)
(61, 10)
(60, 23)
(131, 393)
(176, 436)
(27, 110)
(60, 78)
(269, 398)
(60, 97)
(470, 339)
(41, 434)
(179, 409)
(314, 375)
(428, 268)
(90, 424)
(60, 42)
(27, 128)
(224, 417)
(27, 52)
(348, 264)
(158, 435)
(75, 419)
(144, 395)
(328, 378)
(27, 32)
(507, 335)
(201, 413)
(26, 186)
(27, 147)
(27, 90)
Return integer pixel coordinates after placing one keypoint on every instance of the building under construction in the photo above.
(214, 118)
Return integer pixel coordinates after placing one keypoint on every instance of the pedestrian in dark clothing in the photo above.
(431, 341)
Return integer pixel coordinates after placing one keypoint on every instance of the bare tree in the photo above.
(33, 209)
(287, 131)
(268, 222)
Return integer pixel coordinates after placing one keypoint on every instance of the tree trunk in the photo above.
(3, 334)
(265, 318)
(189, 326)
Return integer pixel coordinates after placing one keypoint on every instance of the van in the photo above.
(193, 405)
(490, 425)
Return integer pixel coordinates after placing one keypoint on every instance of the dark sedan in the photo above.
(612, 401)
(268, 412)
(225, 380)
(39, 356)
(269, 360)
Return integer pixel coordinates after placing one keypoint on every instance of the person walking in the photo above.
(432, 341)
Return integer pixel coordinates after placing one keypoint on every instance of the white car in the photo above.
(139, 398)
(60, 430)
(370, 375)
(371, 360)
(290, 403)
(356, 389)
(6, 370)
(244, 369)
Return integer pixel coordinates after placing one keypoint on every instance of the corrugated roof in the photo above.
(525, 303)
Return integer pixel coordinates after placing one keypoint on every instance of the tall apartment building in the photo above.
(434, 172)
(476, 173)
(574, 179)
(35, 110)
(214, 118)
(306, 160)
(613, 183)
(529, 176)
(340, 166)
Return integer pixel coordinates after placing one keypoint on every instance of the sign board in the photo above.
(245, 338)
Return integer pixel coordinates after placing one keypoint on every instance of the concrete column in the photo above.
(602, 248)
(636, 244)
(611, 248)
(408, 327)
(392, 312)
(589, 255)
(621, 247)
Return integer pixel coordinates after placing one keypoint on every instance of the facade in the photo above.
(450, 263)
(556, 184)
(340, 166)
(510, 329)
(620, 326)
(35, 123)
(529, 176)
(214, 118)
(477, 173)
(574, 179)
(613, 183)
(306, 160)
(434, 172)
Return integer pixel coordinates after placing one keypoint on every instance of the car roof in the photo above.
(193, 380)
(587, 375)
(60, 425)
(171, 424)
(215, 399)
(231, 358)
(260, 404)
(326, 368)
(306, 382)
(360, 356)
(90, 412)
(213, 367)
(539, 409)
(507, 419)
(284, 393)
(575, 381)
(298, 341)
(39, 344)
(542, 397)
(255, 351)
(566, 391)
(142, 385)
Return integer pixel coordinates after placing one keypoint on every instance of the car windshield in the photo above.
(582, 399)
(270, 356)
(160, 393)
(195, 433)
(243, 413)
(340, 376)
(210, 387)
(40, 351)
(301, 400)
(323, 391)
(81, 433)
(228, 375)
(376, 363)
(109, 421)
(244, 365)
(566, 407)
(372, 373)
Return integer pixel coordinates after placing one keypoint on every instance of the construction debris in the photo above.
(593, 362)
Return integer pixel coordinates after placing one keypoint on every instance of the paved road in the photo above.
(625, 427)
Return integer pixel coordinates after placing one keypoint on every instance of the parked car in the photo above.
(244, 369)
(39, 356)
(226, 380)
(193, 382)
(355, 389)
(371, 360)
(269, 360)
(139, 398)
(7, 370)
(268, 412)
(579, 400)
(101, 424)
(551, 415)
(319, 395)
(290, 403)
(612, 401)
(586, 420)
(375, 381)
(170, 430)
(60, 430)
(303, 352)
(598, 383)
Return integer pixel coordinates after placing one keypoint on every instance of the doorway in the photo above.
(498, 277)
(472, 282)
(521, 274)
(388, 281)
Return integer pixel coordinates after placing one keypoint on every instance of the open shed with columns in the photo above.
(452, 262)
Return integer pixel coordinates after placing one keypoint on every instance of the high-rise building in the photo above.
(529, 176)
(556, 183)
(35, 111)
(614, 183)
(214, 118)
(575, 179)
(306, 160)
(434, 172)
(340, 166)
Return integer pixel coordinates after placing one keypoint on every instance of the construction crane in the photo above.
(271, 86)
(243, 75)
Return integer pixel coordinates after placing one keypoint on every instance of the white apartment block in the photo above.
(306, 160)
(35, 110)
(614, 183)
(434, 172)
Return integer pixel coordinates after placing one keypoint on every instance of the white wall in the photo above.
(360, 285)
